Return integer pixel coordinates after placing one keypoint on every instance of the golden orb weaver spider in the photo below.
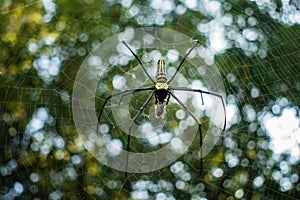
(162, 92)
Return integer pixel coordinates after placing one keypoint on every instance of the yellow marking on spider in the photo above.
(161, 86)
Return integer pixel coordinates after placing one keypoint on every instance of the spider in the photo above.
(162, 91)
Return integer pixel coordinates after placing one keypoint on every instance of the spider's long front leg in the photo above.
(139, 60)
(203, 92)
(199, 127)
(123, 93)
(131, 124)
(182, 61)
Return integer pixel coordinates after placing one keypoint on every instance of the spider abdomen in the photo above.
(161, 72)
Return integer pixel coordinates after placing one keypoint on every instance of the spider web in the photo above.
(253, 45)
(265, 101)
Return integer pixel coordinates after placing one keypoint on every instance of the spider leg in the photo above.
(168, 98)
(139, 60)
(182, 61)
(199, 127)
(126, 92)
(203, 92)
(130, 92)
(130, 126)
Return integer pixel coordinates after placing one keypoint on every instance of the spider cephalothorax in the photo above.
(162, 91)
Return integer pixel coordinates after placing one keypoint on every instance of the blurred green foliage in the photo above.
(52, 163)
